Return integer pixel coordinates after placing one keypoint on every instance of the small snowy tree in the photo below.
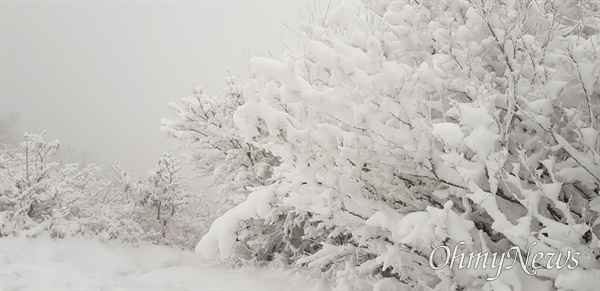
(38, 193)
(157, 208)
(164, 191)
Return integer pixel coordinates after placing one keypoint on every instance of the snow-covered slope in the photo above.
(79, 264)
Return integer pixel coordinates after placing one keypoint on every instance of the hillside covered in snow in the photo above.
(402, 145)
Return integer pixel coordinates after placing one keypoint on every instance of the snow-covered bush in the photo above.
(161, 206)
(164, 192)
(401, 126)
(41, 192)
(38, 193)
(109, 211)
(206, 128)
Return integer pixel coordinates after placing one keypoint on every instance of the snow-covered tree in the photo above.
(214, 148)
(400, 126)
(110, 211)
(38, 193)
(42, 192)
(164, 191)
(160, 204)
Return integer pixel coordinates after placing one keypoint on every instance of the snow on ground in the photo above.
(80, 264)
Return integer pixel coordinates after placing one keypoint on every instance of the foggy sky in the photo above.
(98, 74)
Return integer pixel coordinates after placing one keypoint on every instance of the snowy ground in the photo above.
(79, 264)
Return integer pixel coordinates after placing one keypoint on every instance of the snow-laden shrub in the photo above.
(406, 125)
(39, 193)
(161, 206)
(111, 221)
(215, 148)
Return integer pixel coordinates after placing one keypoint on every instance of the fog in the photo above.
(98, 74)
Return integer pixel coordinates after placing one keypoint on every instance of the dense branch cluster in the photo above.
(42, 193)
(399, 126)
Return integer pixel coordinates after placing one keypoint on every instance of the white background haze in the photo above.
(98, 74)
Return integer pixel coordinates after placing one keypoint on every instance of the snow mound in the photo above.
(44, 263)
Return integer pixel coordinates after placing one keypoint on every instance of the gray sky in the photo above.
(98, 74)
